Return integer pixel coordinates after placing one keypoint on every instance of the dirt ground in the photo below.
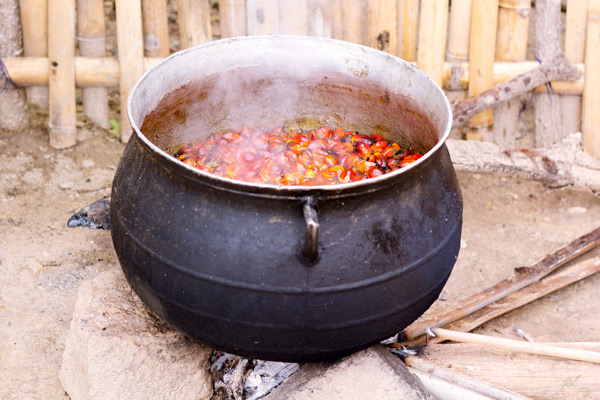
(507, 223)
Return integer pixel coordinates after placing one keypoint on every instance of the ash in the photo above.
(237, 378)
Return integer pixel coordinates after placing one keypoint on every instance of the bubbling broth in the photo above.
(293, 156)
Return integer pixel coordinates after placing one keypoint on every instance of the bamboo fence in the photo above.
(466, 46)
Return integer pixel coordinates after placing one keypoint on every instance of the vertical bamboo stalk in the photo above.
(194, 22)
(155, 26)
(34, 19)
(574, 51)
(130, 43)
(353, 23)
(61, 82)
(408, 19)
(432, 38)
(92, 43)
(263, 17)
(511, 45)
(232, 14)
(293, 17)
(591, 88)
(482, 43)
(459, 30)
(324, 18)
(547, 113)
(458, 51)
(383, 25)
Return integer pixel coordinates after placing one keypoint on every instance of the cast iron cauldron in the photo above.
(285, 273)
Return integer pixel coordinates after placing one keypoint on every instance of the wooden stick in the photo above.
(482, 387)
(528, 294)
(34, 19)
(383, 19)
(408, 18)
(521, 278)
(232, 14)
(294, 17)
(432, 38)
(442, 389)
(61, 50)
(130, 44)
(263, 17)
(556, 69)
(92, 43)
(511, 45)
(591, 92)
(574, 51)
(459, 31)
(547, 47)
(484, 21)
(516, 345)
(155, 26)
(194, 22)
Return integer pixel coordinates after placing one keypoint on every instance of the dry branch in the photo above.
(516, 345)
(557, 69)
(522, 277)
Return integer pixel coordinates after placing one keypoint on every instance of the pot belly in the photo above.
(224, 268)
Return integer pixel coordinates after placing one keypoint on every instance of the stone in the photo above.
(371, 374)
(118, 349)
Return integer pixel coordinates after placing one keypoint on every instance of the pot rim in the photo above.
(292, 190)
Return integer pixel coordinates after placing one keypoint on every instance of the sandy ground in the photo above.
(507, 223)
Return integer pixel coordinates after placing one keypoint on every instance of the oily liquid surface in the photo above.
(291, 156)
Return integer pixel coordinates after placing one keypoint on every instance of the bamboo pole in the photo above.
(546, 109)
(155, 26)
(61, 51)
(130, 44)
(293, 17)
(459, 30)
(458, 51)
(408, 19)
(353, 23)
(92, 43)
(574, 51)
(382, 28)
(194, 22)
(31, 71)
(516, 345)
(232, 14)
(324, 18)
(511, 45)
(263, 17)
(34, 20)
(591, 91)
(432, 38)
(484, 21)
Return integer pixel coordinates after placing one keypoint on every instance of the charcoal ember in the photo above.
(93, 216)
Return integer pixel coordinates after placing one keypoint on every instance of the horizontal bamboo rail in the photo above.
(32, 71)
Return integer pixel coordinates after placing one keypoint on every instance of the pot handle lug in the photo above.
(311, 241)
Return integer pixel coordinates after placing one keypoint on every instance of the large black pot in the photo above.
(285, 273)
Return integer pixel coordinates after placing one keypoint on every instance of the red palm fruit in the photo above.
(359, 177)
(401, 153)
(203, 168)
(375, 172)
(391, 150)
(343, 160)
(360, 139)
(376, 137)
(348, 175)
(329, 160)
(186, 150)
(380, 160)
(393, 163)
(189, 162)
(342, 148)
(335, 170)
(365, 166)
(301, 140)
(317, 144)
(338, 133)
(378, 146)
(323, 132)
(363, 149)
(229, 136)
